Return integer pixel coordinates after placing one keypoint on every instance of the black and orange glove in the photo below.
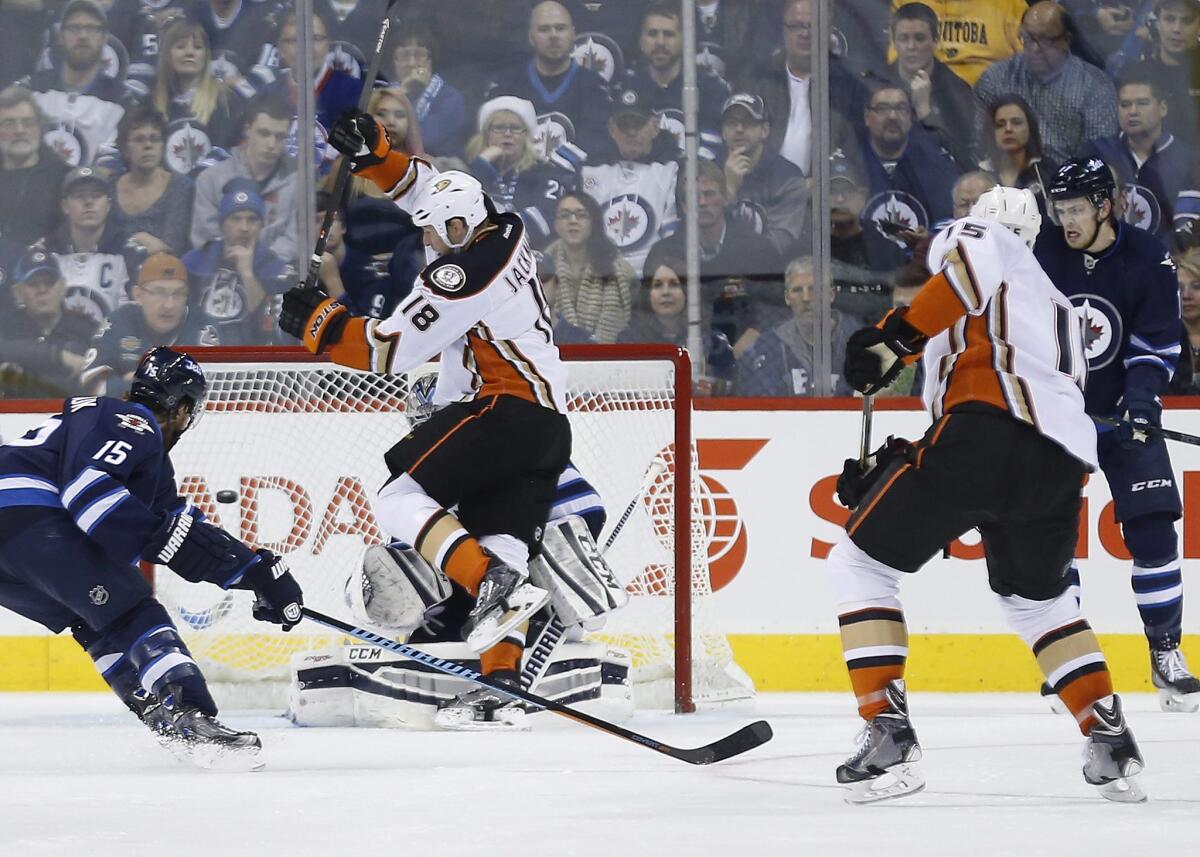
(313, 317)
(858, 477)
(876, 355)
(361, 138)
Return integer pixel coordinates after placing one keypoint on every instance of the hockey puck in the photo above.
(227, 496)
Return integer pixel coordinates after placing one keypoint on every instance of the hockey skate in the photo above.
(150, 711)
(205, 741)
(484, 710)
(506, 599)
(1178, 689)
(1111, 759)
(884, 765)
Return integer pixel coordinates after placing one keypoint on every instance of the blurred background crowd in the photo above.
(150, 192)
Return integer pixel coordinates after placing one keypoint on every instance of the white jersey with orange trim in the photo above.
(482, 309)
(1019, 345)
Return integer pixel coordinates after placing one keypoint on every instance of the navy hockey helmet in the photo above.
(1083, 177)
(165, 379)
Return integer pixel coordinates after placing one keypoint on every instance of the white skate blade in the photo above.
(218, 757)
(1183, 703)
(1124, 790)
(898, 781)
(525, 600)
(463, 720)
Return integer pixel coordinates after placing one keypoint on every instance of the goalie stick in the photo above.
(734, 744)
(550, 633)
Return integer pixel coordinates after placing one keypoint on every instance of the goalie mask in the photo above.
(450, 195)
(1016, 208)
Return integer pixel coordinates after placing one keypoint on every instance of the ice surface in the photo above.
(79, 777)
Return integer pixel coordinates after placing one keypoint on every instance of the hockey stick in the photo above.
(864, 447)
(341, 179)
(746, 738)
(551, 633)
(1158, 430)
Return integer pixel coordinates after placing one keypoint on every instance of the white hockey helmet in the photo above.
(449, 195)
(1015, 208)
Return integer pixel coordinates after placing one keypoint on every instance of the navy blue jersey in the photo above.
(103, 461)
(1131, 296)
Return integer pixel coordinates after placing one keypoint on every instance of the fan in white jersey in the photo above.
(495, 450)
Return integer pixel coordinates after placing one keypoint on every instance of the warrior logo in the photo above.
(98, 595)
(1102, 330)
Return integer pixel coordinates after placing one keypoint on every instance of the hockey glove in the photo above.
(196, 550)
(875, 355)
(361, 138)
(1142, 414)
(278, 598)
(313, 317)
(858, 478)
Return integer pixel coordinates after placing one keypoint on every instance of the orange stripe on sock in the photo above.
(466, 565)
(502, 656)
(1080, 694)
(868, 684)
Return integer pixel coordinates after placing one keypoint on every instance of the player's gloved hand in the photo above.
(277, 596)
(858, 478)
(1141, 415)
(875, 355)
(195, 549)
(313, 317)
(361, 138)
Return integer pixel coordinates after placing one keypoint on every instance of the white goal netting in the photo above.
(301, 446)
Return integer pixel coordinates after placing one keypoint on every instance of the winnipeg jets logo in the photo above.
(629, 221)
(893, 212)
(553, 129)
(186, 145)
(1141, 208)
(135, 423)
(1102, 329)
(599, 53)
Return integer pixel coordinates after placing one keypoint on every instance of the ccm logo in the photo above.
(364, 653)
(1150, 483)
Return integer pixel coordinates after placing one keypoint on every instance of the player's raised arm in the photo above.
(360, 137)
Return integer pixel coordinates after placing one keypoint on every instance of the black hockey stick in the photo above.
(746, 738)
(868, 410)
(341, 179)
(1158, 430)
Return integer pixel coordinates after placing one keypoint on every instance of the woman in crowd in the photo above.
(594, 282)
(1186, 381)
(1014, 147)
(504, 160)
(660, 311)
(395, 113)
(152, 205)
(440, 109)
(186, 92)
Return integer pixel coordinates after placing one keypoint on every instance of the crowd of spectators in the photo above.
(150, 191)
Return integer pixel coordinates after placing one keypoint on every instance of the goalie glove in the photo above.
(313, 317)
(875, 355)
(858, 478)
(361, 138)
(278, 598)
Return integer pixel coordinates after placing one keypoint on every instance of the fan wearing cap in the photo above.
(235, 277)
(512, 170)
(159, 315)
(90, 246)
(571, 102)
(43, 343)
(767, 190)
(82, 99)
(27, 168)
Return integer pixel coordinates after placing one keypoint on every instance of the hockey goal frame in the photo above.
(684, 701)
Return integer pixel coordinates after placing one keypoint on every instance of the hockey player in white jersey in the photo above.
(500, 440)
(1007, 453)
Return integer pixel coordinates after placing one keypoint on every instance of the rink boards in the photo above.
(767, 497)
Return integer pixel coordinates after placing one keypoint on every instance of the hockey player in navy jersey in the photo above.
(1124, 280)
(88, 494)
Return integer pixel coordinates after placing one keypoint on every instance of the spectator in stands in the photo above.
(352, 21)
(10, 254)
(480, 36)
(28, 167)
(1160, 174)
(565, 333)
(729, 32)
(91, 249)
(908, 282)
(43, 342)
(395, 113)
(768, 191)
(336, 89)
(741, 272)
(657, 76)
(152, 205)
(606, 34)
(1173, 52)
(81, 102)
(1103, 25)
(1074, 100)
(202, 111)
(1188, 264)
(158, 315)
(909, 175)
(863, 257)
(504, 160)
(20, 38)
(976, 35)
(1013, 146)
(634, 182)
(570, 101)
(594, 282)
(783, 361)
(783, 81)
(438, 107)
(235, 279)
(262, 158)
(660, 306)
(942, 102)
(237, 35)
(968, 188)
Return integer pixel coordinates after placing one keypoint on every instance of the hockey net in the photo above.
(300, 443)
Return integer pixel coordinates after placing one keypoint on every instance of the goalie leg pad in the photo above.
(395, 588)
(572, 569)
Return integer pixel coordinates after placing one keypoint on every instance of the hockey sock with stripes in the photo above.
(1071, 660)
(1157, 577)
(875, 646)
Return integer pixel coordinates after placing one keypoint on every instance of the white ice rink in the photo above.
(79, 777)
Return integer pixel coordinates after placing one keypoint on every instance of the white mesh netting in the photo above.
(301, 445)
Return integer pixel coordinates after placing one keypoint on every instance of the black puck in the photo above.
(227, 496)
